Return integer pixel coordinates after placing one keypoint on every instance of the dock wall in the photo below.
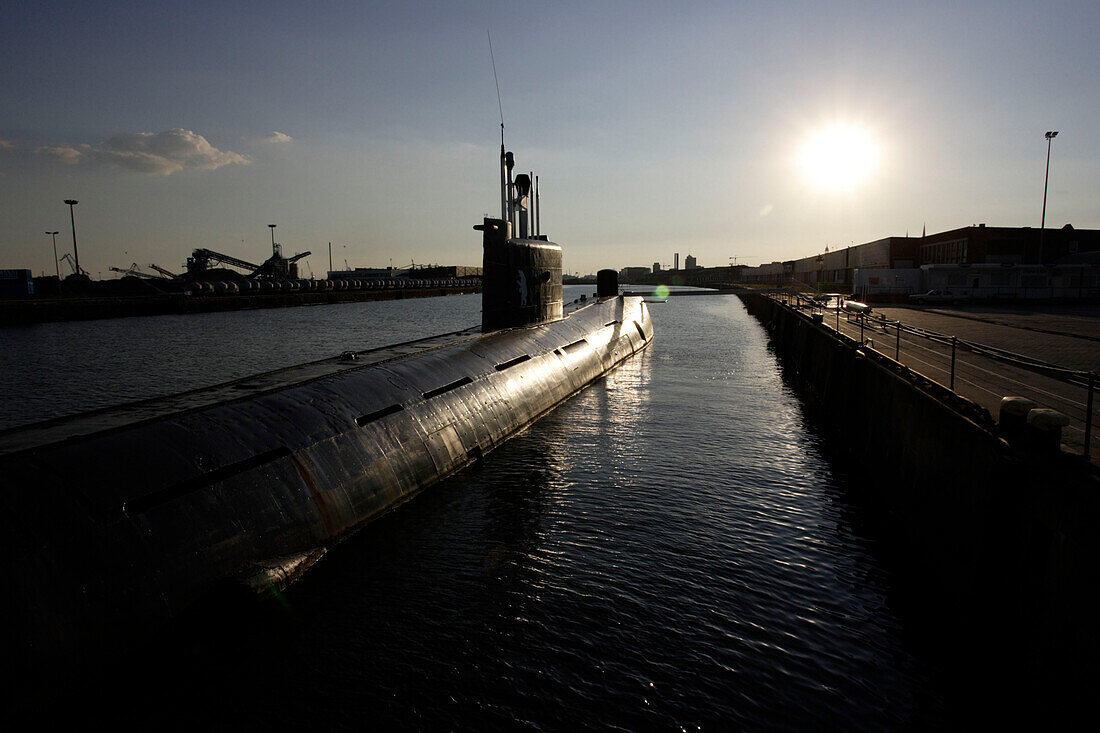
(46, 310)
(1003, 540)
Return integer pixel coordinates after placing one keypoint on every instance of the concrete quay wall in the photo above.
(1004, 538)
(46, 310)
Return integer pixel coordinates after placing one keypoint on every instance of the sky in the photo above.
(756, 131)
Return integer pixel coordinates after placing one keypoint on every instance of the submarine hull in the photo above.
(114, 521)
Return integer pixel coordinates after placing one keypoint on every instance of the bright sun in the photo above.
(838, 157)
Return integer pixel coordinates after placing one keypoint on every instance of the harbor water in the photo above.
(669, 550)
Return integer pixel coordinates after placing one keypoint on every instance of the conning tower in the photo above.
(521, 275)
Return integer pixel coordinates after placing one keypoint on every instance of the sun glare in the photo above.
(838, 157)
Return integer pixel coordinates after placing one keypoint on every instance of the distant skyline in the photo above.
(762, 131)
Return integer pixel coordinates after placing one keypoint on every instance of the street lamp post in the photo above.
(1042, 227)
(72, 218)
(56, 265)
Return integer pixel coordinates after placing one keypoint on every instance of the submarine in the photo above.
(125, 518)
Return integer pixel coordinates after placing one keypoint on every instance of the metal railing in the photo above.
(1086, 380)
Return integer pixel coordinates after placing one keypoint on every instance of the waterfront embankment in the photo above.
(1048, 355)
(47, 310)
(1002, 536)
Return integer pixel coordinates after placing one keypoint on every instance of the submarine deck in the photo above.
(34, 435)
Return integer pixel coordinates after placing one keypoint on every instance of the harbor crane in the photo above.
(275, 267)
(131, 271)
(134, 271)
(72, 264)
(162, 271)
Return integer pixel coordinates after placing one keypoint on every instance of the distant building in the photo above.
(439, 271)
(676, 261)
(1012, 245)
(16, 282)
(986, 261)
(690, 262)
(1027, 282)
(633, 274)
(365, 273)
(656, 267)
(712, 277)
(445, 271)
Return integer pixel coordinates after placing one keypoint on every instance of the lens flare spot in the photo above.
(661, 291)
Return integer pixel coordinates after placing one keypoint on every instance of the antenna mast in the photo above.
(503, 175)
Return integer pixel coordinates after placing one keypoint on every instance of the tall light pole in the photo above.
(72, 218)
(1042, 227)
(272, 238)
(56, 265)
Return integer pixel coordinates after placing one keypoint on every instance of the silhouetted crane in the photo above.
(275, 267)
(135, 271)
(162, 271)
(72, 264)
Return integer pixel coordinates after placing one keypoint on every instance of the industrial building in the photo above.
(426, 271)
(977, 261)
(633, 274)
(16, 282)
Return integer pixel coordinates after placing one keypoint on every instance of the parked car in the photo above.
(939, 296)
(854, 306)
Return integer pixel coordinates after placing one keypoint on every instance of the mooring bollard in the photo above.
(1013, 417)
(1044, 429)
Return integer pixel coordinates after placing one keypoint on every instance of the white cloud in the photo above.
(160, 153)
(277, 137)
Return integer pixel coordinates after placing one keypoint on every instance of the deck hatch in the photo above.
(512, 362)
(447, 387)
(575, 346)
(147, 502)
(377, 415)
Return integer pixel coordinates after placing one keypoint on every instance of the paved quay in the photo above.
(1066, 337)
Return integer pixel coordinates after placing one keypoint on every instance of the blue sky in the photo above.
(654, 127)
